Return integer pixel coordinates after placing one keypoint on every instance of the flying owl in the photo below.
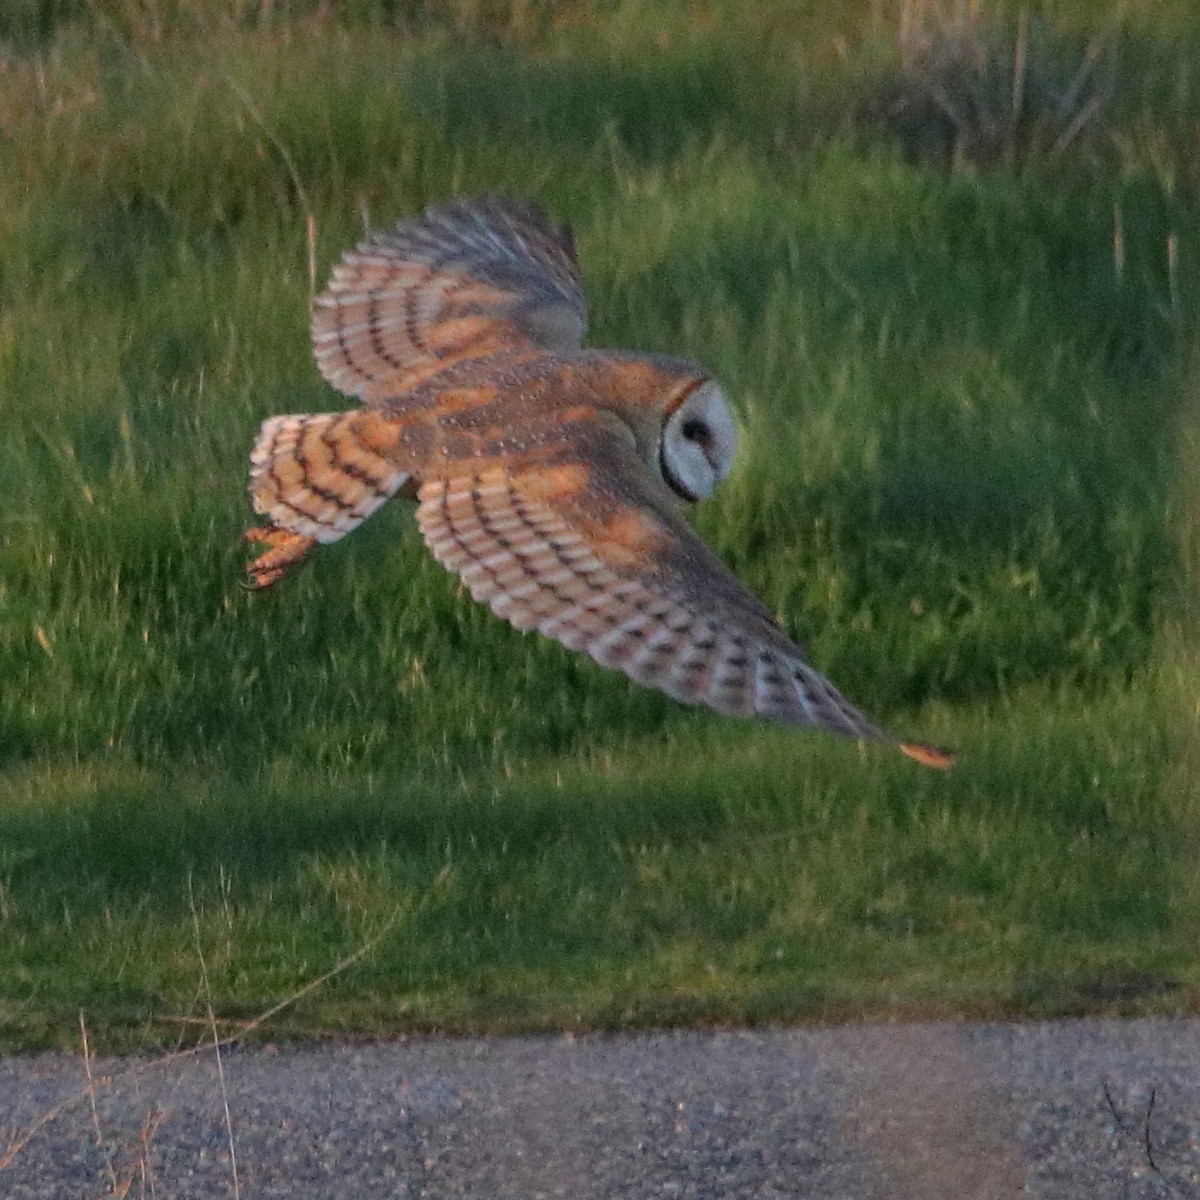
(552, 479)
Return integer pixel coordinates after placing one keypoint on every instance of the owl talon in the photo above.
(285, 550)
(928, 756)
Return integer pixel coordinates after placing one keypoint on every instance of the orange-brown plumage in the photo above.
(552, 479)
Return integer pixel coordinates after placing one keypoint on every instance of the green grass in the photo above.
(968, 400)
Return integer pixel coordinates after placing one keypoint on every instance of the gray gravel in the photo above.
(1089, 1109)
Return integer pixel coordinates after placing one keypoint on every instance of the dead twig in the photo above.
(1144, 1134)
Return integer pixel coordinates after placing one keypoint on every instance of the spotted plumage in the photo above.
(552, 479)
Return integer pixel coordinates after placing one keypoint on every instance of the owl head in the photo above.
(678, 414)
(697, 441)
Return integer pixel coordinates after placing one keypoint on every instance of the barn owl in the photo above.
(552, 479)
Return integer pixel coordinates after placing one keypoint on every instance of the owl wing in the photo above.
(587, 550)
(464, 280)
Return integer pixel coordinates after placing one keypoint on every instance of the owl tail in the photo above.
(315, 477)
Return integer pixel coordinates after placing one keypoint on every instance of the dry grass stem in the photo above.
(21, 1138)
(216, 1041)
(91, 1095)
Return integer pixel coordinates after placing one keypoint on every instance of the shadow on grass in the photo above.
(715, 876)
(123, 831)
(145, 833)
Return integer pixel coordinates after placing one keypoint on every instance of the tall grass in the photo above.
(963, 387)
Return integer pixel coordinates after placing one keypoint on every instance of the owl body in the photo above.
(553, 479)
(528, 399)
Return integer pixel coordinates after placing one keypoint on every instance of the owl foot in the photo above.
(929, 756)
(284, 551)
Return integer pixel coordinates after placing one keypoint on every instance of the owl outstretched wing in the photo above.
(466, 279)
(589, 549)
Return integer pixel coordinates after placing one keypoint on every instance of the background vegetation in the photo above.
(943, 255)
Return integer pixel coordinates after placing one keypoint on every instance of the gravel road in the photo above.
(1089, 1109)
